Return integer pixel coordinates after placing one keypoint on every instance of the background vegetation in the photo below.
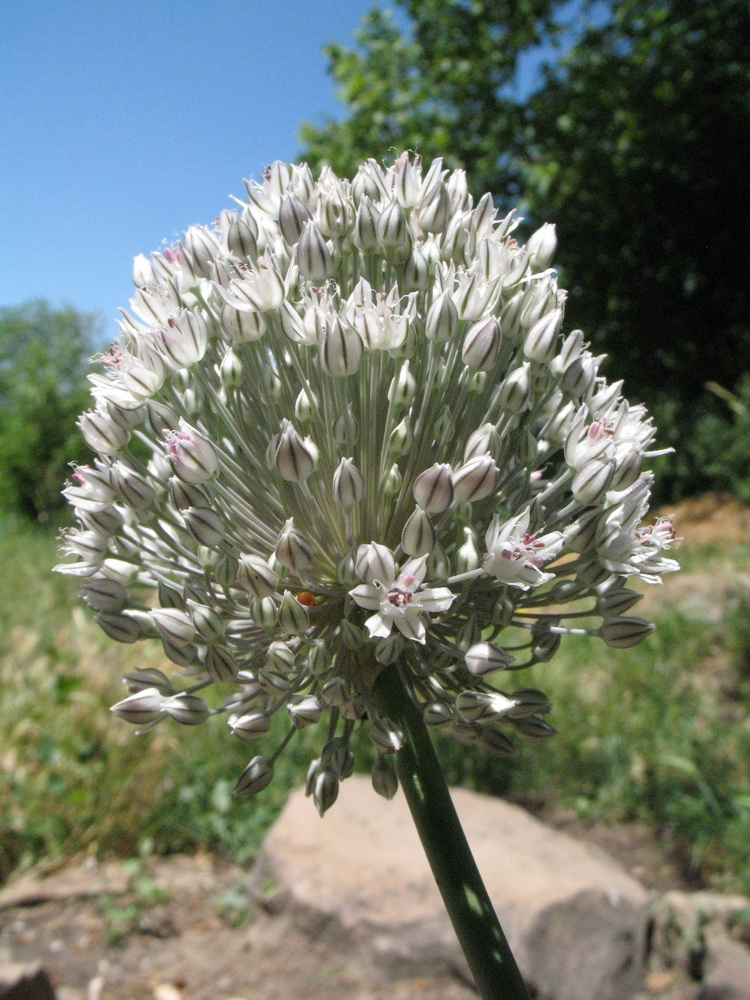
(636, 144)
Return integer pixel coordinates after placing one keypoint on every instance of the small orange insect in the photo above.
(307, 599)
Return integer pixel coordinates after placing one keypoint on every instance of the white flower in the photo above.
(400, 600)
(516, 557)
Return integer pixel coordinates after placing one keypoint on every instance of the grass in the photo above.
(657, 733)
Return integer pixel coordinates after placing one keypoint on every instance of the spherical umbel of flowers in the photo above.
(371, 442)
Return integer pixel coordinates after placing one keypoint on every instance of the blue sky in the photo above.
(123, 122)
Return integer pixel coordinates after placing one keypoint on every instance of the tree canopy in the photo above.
(43, 364)
(635, 143)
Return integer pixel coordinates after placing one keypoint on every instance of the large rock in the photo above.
(24, 981)
(575, 920)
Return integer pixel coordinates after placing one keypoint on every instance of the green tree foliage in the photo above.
(636, 144)
(43, 364)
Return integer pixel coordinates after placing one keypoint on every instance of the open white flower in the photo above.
(400, 600)
(516, 557)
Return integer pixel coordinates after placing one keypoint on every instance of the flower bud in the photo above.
(484, 658)
(494, 743)
(515, 390)
(131, 487)
(482, 344)
(469, 634)
(184, 495)
(295, 457)
(346, 573)
(141, 708)
(293, 215)
(101, 594)
(208, 623)
(256, 576)
(418, 535)
(304, 710)
(388, 650)
(352, 635)
(628, 465)
(319, 658)
(250, 726)
(387, 737)
(292, 548)
(416, 272)
(617, 601)
(204, 525)
(578, 377)
(592, 481)
(220, 664)
(313, 256)
(341, 349)
(467, 558)
(230, 370)
(433, 489)
(401, 439)
(243, 326)
(101, 433)
(325, 790)
(540, 343)
(187, 709)
(544, 643)
(393, 480)
(293, 617)
(264, 612)
(183, 340)
(392, 226)
(148, 677)
(437, 715)
(256, 776)
(475, 480)
(121, 628)
(242, 236)
(402, 388)
(348, 484)
(623, 632)
(534, 728)
(541, 247)
(193, 458)
(174, 625)
(384, 779)
(365, 234)
(442, 319)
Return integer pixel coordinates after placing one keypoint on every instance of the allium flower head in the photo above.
(344, 427)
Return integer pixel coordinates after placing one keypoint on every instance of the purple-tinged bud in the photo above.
(121, 628)
(101, 594)
(384, 779)
(484, 658)
(187, 709)
(592, 481)
(482, 344)
(418, 536)
(541, 247)
(250, 726)
(174, 625)
(296, 457)
(257, 775)
(140, 708)
(442, 319)
(433, 488)
(293, 215)
(313, 256)
(193, 458)
(623, 632)
(292, 548)
(348, 484)
(540, 343)
(256, 576)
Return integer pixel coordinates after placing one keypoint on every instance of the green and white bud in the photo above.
(348, 484)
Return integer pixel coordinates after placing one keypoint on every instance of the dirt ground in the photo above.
(188, 929)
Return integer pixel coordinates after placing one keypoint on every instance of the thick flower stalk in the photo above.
(343, 429)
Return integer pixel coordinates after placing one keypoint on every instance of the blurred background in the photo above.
(626, 123)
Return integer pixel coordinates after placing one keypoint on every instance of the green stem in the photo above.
(478, 930)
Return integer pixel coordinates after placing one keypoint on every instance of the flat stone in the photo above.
(727, 968)
(574, 918)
